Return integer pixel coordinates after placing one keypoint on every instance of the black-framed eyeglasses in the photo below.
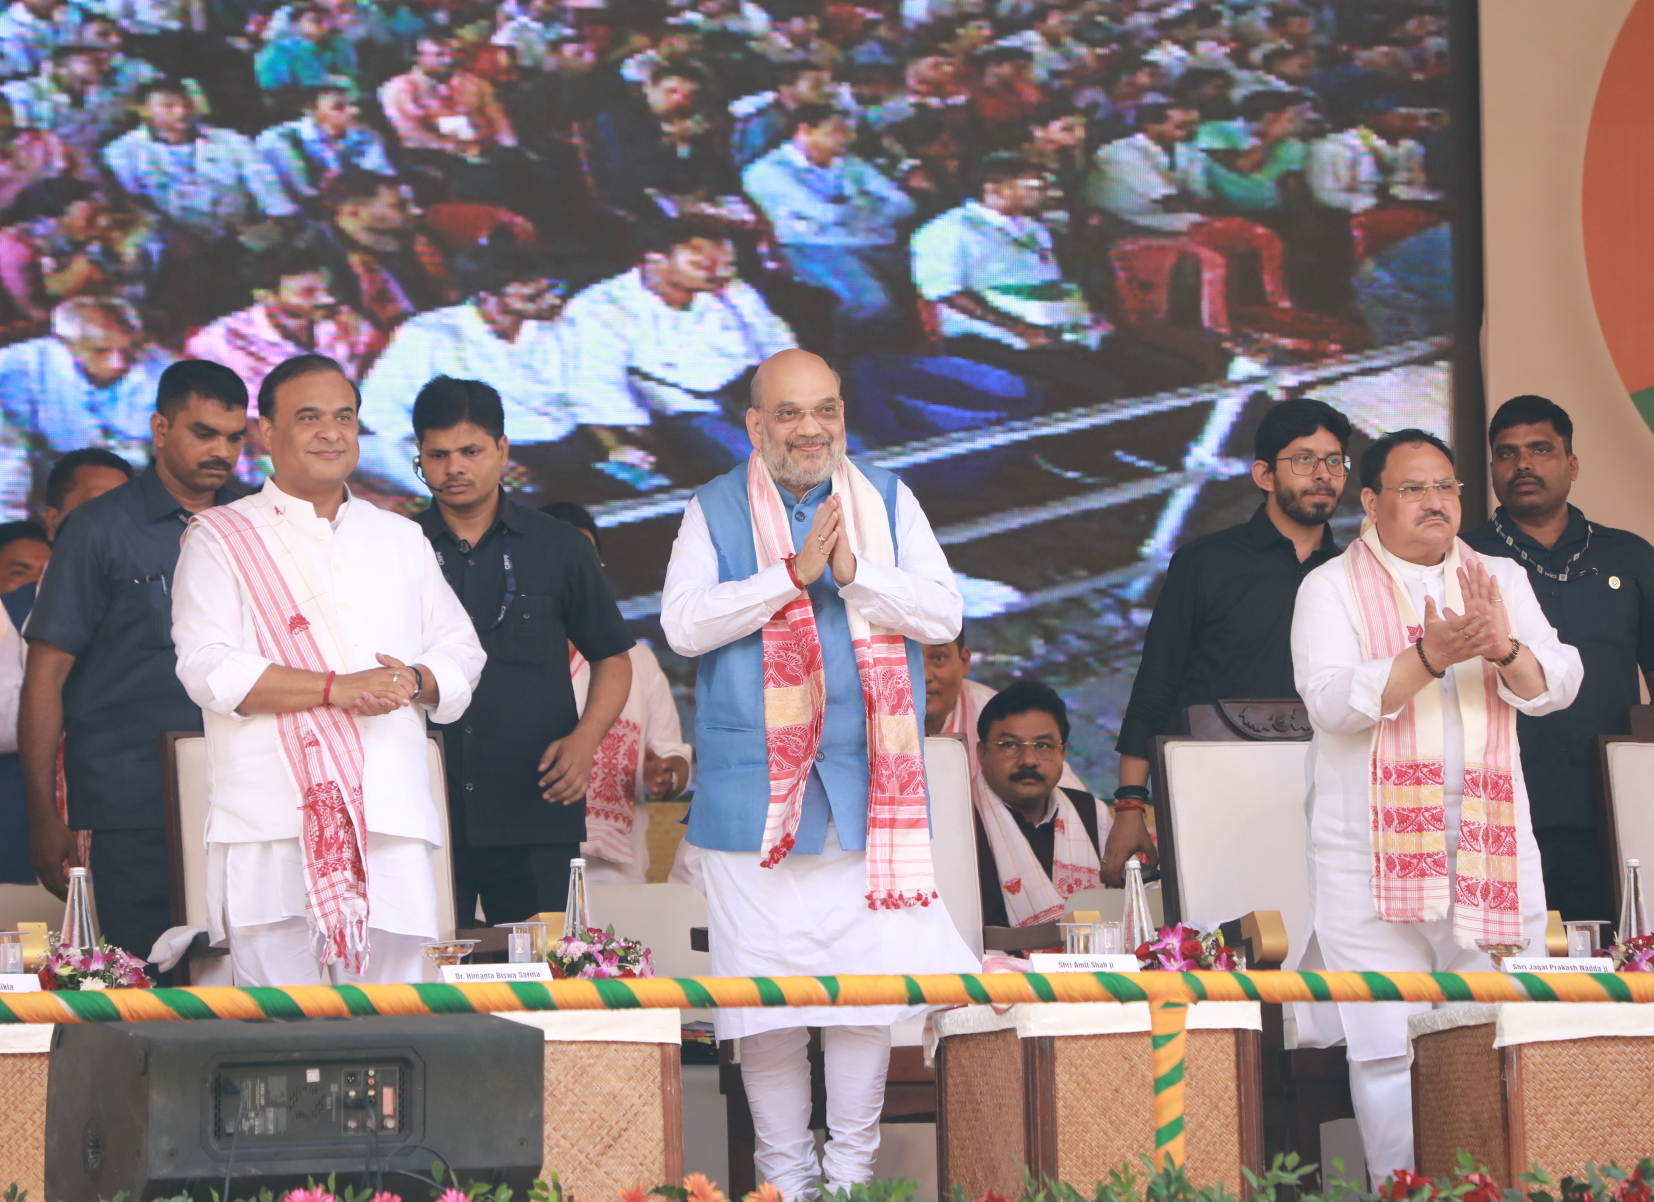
(1303, 463)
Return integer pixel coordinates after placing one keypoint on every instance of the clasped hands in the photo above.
(1482, 630)
(376, 691)
(826, 544)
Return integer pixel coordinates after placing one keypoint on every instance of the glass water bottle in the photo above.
(575, 919)
(1633, 913)
(80, 912)
(1136, 921)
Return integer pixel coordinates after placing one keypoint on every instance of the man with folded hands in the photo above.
(1414, 655)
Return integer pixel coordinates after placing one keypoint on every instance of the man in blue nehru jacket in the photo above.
(806, 583)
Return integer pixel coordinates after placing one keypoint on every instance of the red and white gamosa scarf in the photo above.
(298, 627)
(611, 791)
(1407, 782)
(1030, 895)
(899, 869)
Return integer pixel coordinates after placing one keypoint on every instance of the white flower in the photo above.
(93, 983)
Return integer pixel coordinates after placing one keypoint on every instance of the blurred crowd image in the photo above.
(613, 210)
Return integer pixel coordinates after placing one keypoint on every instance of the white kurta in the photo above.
(649, 707)
(1343, 694)
(809, 914)
(389, 596)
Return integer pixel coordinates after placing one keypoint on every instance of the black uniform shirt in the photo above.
(1221, 629)
(525, 698)
(1605, 609)
(106, 599)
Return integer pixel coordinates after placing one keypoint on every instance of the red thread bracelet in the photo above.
(797, 583)
(1125, 805)
(327, 689)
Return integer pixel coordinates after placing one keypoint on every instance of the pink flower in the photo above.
(309, 1195)
(454, 1195)
(383, 1196)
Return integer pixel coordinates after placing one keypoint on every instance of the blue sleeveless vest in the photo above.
(732, 788)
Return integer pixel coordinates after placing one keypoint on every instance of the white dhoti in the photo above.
(808, 916)
(257, 908)
(1343, 692)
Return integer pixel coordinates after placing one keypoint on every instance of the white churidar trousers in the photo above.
(1382, 1091)
(775, 1071)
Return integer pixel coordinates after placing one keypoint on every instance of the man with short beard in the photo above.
(1223, 624)
(1596, 586)
(807, 582)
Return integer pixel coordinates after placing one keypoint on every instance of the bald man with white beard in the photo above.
(807, 584)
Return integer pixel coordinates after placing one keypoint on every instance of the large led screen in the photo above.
(1064, 254)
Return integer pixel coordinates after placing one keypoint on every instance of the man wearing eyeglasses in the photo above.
(1414, 655)
(807, 583)
(1596, 585)
(1038, 842)
(1222, 626)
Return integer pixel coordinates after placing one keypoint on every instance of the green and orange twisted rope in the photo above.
(1170, 995)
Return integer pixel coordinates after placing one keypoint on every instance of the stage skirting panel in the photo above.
(1066, 1091)
(1521, 1084)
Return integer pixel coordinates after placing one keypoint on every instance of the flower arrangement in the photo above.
(101, 967)
(1137, 1181)
(1634, 955)
(1184, 949)
(599, 955)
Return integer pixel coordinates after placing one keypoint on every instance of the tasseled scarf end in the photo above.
(899, 901)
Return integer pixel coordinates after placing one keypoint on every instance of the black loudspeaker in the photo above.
(158, 1109)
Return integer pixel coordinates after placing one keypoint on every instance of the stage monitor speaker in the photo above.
(159, 1109)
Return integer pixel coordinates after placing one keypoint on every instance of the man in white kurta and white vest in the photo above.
(806, 582)
(1413, 655)
(316, 633)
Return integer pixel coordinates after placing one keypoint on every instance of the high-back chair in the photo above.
(1625, 776)
(660, 917)
(184, 780)
(1232, 829)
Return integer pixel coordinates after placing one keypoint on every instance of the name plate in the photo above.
(19, 982)
(1560, 964)
(476, 974)
(1062, 962)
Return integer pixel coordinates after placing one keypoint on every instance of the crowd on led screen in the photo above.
(1062, 253)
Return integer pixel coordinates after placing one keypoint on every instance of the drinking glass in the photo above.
(11, 951)
(1583, 937)
(1079, 938)
(525, 942)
